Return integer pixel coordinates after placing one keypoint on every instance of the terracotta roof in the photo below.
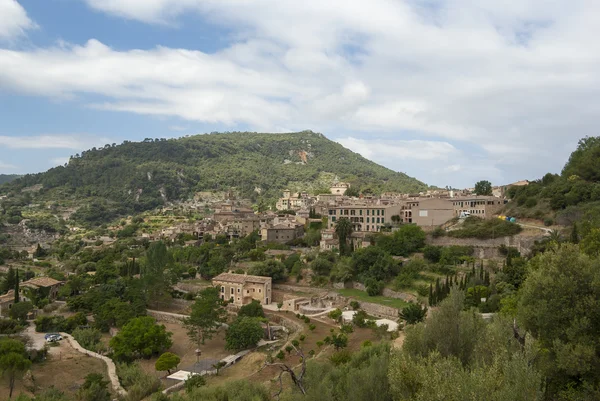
(42, 282)
(9, 296)
(241, 278)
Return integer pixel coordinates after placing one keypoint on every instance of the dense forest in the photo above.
(142, 175)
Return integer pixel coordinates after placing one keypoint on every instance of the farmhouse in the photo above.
(6, 302)
(241, 289)
(45, 287)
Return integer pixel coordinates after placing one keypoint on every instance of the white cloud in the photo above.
(492, 79)
(434, 162)
(13, 20)
(179, 128)
(74, 142)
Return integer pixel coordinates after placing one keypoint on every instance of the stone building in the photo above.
(241, 289)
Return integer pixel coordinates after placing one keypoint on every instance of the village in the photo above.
(291, 275)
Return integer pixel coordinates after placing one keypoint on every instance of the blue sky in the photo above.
(448, 91)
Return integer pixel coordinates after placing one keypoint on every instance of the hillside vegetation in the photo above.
(571, 196)
(142, 175)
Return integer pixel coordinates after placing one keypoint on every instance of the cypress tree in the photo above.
(574, 234)
(487, 278)
(473, 269)
(438, 291)
(509, 260)
(481, 273)
(430, 294)
(17, 288)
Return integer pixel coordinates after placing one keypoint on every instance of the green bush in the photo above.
(548, 222)
(137, 382)
(87, 338)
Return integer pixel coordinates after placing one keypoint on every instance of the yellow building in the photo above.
(241, 289)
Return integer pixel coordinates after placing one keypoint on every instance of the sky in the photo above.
(447, 91)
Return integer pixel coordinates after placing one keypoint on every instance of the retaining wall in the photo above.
(487, 249)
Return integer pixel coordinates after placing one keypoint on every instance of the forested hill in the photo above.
(142, 175)
(4, 178)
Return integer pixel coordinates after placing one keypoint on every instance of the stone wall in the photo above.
(386, 291)
(382, 311)
(487, 249)
(166, 316)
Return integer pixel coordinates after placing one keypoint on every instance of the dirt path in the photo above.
(38, 342)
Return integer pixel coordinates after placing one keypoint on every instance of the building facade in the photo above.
(241, 289)
(369, 218)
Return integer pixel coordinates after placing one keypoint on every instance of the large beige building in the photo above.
(365, 217)
(241, 289)
(479, 206)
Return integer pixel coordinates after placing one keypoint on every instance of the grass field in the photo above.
(363, 296)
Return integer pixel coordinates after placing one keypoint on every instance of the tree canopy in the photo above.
(141, 337)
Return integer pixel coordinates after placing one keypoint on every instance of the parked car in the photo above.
(52, 337)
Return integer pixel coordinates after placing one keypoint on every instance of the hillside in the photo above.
(142, 175)
(4, 178)
(572, 196)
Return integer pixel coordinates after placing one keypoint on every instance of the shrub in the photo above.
(194, 382)
(311, 327)
(8, 326)
(137, 382)
(280, 355)
(354, 305)
(340, 357)
(346, 328)
(366, 343)
(311, 353)
(87, 338)
(295, 343)
(438, 232)
(335, 314)
(302, 338)
(360, 318)
(530, 202)
(548, 222)
(374, 287)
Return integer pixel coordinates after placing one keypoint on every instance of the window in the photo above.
(254, 290)
(259, 290)
(247, 291)
(238, 290)
(232, 290)
(383, 212)
(222, 289)
(382, 220)
(368, 220)
(378, 219)
(378, 212)
(368, 212)
(333, 219)
(368, 227)
(360, 212)
(352, 212)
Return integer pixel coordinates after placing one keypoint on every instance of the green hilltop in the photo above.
(143, 175)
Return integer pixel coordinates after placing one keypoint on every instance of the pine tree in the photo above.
(574, 234)
(17, 287)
